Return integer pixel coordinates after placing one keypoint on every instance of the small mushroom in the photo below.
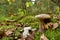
(43, 19)
(26, 31)
(43, 16)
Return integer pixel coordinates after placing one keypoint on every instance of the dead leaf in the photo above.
(10, 31)
(55, 25)
(43, 37)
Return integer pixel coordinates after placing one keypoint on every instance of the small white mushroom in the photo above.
(26, 31)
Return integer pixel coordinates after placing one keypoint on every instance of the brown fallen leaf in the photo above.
(55, 25)
(9, 31)
(43, 37)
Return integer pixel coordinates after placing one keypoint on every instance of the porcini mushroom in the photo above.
(43, 16)
(43, 19)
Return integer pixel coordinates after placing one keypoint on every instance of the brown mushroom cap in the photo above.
(43, 16)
